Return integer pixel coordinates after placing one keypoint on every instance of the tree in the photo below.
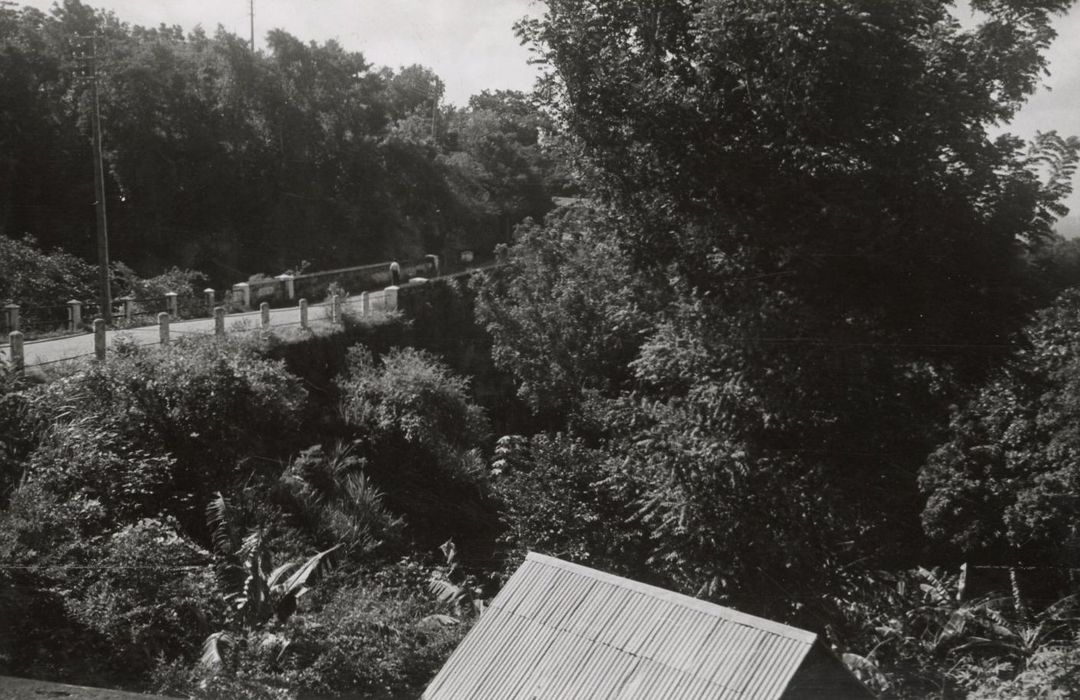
(1003, 486)
(567, 315)
(819, 184)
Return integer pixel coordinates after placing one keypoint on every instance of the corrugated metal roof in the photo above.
(559, 630)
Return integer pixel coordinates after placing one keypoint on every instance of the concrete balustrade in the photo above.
(74, 315)
(99, 338)
(15, 348)
(290, 286)
(335, 308)
(242, 294)
(390, 298)
(11, 317)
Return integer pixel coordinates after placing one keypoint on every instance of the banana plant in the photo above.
(455, 589)
(258, 592)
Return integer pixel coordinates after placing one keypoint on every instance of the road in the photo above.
(52, 351)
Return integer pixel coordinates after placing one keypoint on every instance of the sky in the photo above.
(470, 44)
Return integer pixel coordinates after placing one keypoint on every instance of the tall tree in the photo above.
(847, 243)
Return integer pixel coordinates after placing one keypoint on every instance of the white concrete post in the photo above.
(335, 309)
(11, 317)
(290, 286)
(243, 291)
(127, 306)
(219, 320)
(303, 314)
(99, 338)
(15, 346)
(365, 303)
(434, 264)
(163, 327)
(264, 314)
(390, 298)
(395, 274)
(75, 314)
(171, 305)
(209, 292)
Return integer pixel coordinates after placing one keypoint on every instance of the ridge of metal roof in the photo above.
(712, 609)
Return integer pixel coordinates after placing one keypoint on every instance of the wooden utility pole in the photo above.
(434, 114)
(251, 7)
(104, 290)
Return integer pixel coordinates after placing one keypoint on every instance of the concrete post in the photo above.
(264, 314)
(290, 286)
(11, 317)
(75, 314)
(242, 293)
(434, 264)
(395, 274)
(390, 298)
(15, 346)
(209, 292)
(127, 307)
(335, 309)
(99, 338)
(171, 305)
(365, 303)
(163, 327)
(219, 320)
(303, 314)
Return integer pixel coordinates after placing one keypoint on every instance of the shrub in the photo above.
(331, 496)
(17, 436)
(150, 596)
(414, 423)
(189, 413)
(368, 640)
(554, 499)
(32, 277)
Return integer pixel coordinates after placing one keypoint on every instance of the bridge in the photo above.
(22, 353)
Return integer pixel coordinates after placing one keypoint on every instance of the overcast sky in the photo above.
(471, 45)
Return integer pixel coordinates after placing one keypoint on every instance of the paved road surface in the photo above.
(51, 351)
(25, 689)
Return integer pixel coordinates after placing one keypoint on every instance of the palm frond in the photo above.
(214, 649)
(307, 570)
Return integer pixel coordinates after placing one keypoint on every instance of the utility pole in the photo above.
(88, 63)
(434, 113)
(251, 6)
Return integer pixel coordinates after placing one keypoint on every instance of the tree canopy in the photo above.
(848, 246)
(234, 162)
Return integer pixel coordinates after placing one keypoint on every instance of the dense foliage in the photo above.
(1003, 488)
(797, 352)
(832, 241)
(317, 155)
(180, 518)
